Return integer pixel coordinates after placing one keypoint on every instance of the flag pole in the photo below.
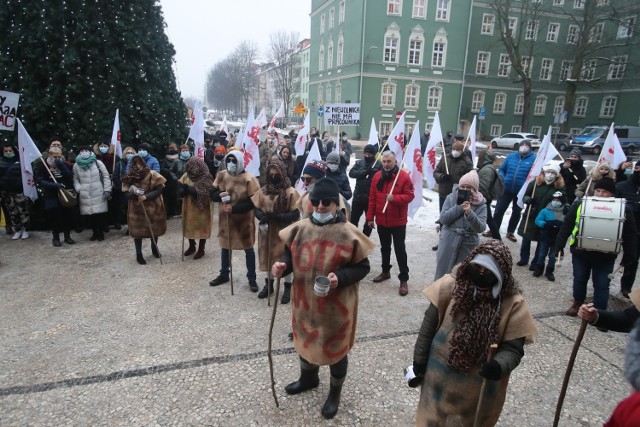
(533, 192)
(444, 157)
(386, 203)
(64, 196)
(269, 352)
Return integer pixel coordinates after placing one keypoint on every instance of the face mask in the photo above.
(523, 150)
(10, 155)
(142, 153)
(85, 155)
(484, 279)
(232, 167)
(130, 156)
(103, 150)
(323, 218)
(274, 179)
(604, 172)
(172, 152)
(185, 154)
(309, 187)
(549, 177)
(219, 157)
(333, 167)
(456, 153)
(344, 138)
(51, 161)
(556, 204)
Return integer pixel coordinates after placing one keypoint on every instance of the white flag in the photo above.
(413, 160)
(612, 150)
(314, 154)
(546, 152)
(115, 135)
(396, 139)
(435, 139)
(29, 153)
(197, 131)
(472, 139)
(261, 119)
(373, 133)
(279, 115)
(303, 135)
(250, 141)
(223, 126)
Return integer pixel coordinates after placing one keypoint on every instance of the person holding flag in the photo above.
(363, 171)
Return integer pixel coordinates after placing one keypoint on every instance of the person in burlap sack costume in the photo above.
(479, 304)
(311, 173)
(195, 187)
(140, 177)
(324, 326)
(275, 208)
(236, 223)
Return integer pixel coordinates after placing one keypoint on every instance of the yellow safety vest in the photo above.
(576, 226)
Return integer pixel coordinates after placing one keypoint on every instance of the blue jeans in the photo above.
(250, 256)
(545, 247)
(598, 266)
(501, 207)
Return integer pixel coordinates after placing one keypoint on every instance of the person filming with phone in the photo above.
(463, 217)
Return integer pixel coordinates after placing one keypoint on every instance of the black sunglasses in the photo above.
(325, 203)
(307, 179)
(231, 160)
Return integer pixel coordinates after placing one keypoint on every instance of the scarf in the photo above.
(198, 172)
(86, 163)
(137, 171)
(386, 176)
(171, 156)
(278, 190)
(476, 197)
(478, 312)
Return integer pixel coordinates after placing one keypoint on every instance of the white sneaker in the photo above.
(25, 235)
(17, 235)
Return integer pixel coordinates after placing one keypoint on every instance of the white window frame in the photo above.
(411, 96)
(330, 55)
(546, 69)
(419, 9)
(626, 27)
(340, 51)
(580, 108)
(540, 106)
(589, 69)
(527, 64)
(504, 66)
(416, 36)
(578, 4)
(537, 130)
(552, 32)
(322, 22)
(558, 105)
(320, 93)
(496, 130)
(617, 67)
(558, 2)
(443, 10)
(321, 58)
(391, 94)
(394, 7)
(439, 55)
(595, 36)
(332, 17)
(488, 21)
(482, 63)
(518, 105)
(434, 98)
(477, 101)
(608, 107)
(391, 36)
(565, 70)
(384, 128)
(499, 103)
(327, 93)
(531, 32)
(573, 34)
(338, 93)
(516, 128)
(512, 24)
(341, 12)
(575, 131)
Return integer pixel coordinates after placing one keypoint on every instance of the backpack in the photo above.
(497, 188)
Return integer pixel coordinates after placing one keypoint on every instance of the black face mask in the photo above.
(482, 279)
(636, 177)
(274, 179)
(369, 159)
(219, 157)
(172, 152)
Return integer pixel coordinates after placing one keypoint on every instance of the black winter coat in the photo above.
(342, 180)
(363, 173)
(10, 175)
(573, 178)
(50, 188)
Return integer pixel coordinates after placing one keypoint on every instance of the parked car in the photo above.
(513, 140)
(561, 141)
(592, 138)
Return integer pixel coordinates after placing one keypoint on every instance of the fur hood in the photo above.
(558, 183)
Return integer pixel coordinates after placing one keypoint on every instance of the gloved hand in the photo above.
(419, 368)
(532, 202)
(107, 195)
(190, 190)
(260, 215)
(491, 370)
(446, 177)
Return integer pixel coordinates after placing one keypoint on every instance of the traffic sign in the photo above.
(483, 113)
(398, 115)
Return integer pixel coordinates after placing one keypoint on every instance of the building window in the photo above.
(575, 131)
(327, 96)
(477, 102)
(573, 34)
(540, 106)
(320, 93)
(487, 24)
(340, 53)
(516, 128)
(558, 106)
(391, 43)
(330, 55)
(332, 17)
(527, 65)
(625, 28)
(388, 96)
(341, 12)
(519, 105)
(322, 23)
(536, 130)
(321, 58)
(499, 103)
(439, 55)
(578, 4)
(496, 130)
(580, 109)
(608, 107)
(512, 24)
(565, 70)
(602, 3)
(411, 94)
(532, 30)
(617, 67)
(552, 33)
(589, 69)
(394, 7)
(435, 98)
(338, 92)
(595, 36)
(385, 127)
(442, 10)
(419, 9)
(546, 69)
(416, 43)
(558, 2)
(504, 67)
(482, 65)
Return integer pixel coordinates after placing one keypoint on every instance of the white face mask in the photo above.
(456, 153)
(549, 177)
(85, 155)
(323, 217)
(232, 167)
(104, 150)
(523, 150)
(142, 153)
(556, 204)
(333, 167)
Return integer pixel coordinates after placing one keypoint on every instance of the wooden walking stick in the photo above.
(476, 422)
(567, 374)
(268, 262)
(230, 252)
(533, 192)
(153, 237)
(273, 318)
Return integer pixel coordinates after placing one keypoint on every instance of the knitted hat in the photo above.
(471, 178)
(219, 151)
(144, 146)
(551, 167)
(222, 135)
(457, 146)
(607, 184)
(576, 153)
(458, 137)
(371, 148)
(333, 157)
(317, 169)
(326, 189)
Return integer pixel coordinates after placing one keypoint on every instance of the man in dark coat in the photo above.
(630, 190)
(363, 171)
(338, 175)
(573, 173)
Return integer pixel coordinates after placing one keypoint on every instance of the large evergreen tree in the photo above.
(75, 61)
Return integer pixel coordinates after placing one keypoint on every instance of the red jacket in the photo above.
(627, 413)
(397, 210)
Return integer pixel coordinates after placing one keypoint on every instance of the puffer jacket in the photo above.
(487, 174)
(515, 169)
(91, 185)
(10, 175)
(398, 209)
(363, 173)
(342, 180)
(457, 168)
(540, 199)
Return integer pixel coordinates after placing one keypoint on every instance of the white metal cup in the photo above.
(139, 191)
(225, 199)
(264, 226)
(321, 286)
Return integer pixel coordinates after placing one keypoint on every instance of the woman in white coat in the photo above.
(91, 181)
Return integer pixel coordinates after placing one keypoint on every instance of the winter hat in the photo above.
(552, 167)
(220, 150)
(526, 142)
(144, 146)
(607, 184)
(457, 146)
(559, 195)
(317, 169)
(576, 153)
(632, 358)
(470, 178)
(325, 189)
(333, 157)
(458, 137)
(371, 148)
(222, 135)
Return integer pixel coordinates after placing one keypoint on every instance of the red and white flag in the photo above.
(197, 131)
(250, 141)
(373, 133)
(314, 154)
(612, 152)
(261, 119)
(303, 135)
(396, 139)
(472, 139)
(435, 139)
(29, 153)
(546, 153)
(279, 115)
(116, 141)
(413, 162)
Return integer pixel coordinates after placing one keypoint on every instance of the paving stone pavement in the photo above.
(89, 337)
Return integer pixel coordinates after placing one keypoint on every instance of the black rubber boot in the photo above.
(308, 379)
(268, 287)
(330, 408)
(201, 245)
(538, 272)
(56, 240)
(140, 259)
(222, 278)
(67, 238)
(154, 249)
(549, 275)
(286, 295)
(94, 236)
(191, 249)
(100, 235)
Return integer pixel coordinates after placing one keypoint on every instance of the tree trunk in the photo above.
(526, 108)
(569, 102)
